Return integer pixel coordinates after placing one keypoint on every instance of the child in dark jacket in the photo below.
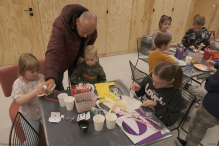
(198, 36)
(161, 91)
(89, 71)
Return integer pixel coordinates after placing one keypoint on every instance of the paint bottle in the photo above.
(191, 65)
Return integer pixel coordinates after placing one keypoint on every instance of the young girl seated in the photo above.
(25, 90)
(161, 91)
(198, 36)
(162, 42)
(164, 25)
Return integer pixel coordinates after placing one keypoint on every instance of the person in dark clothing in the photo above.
(161, 91)
(89, 71)
(72, 31)
(198, 36)
(207, 115)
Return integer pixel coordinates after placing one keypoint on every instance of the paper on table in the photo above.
(131, 103)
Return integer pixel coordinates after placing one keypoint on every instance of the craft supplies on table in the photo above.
(147, 130)
(179, 52)
(103, 90)
(196, 56)
(80, 88)
(201, 67)
(90, 99)
(191, 65)
(209, 53)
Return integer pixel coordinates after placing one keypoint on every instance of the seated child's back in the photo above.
(162, 42)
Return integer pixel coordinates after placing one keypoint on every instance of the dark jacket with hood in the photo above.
(65, 45)
(211, 100)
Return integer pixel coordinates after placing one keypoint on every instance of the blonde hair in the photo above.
(199, 20)
(27, 62)
(91, 50)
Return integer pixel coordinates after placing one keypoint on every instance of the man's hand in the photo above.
(80, 60)
(50, 83)
(149, 103)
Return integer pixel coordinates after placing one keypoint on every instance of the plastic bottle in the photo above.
(191, 65)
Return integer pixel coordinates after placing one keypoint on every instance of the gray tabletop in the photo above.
(66, 133)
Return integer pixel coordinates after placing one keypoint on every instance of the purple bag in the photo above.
(179, 52)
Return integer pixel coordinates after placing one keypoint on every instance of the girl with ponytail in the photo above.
(160, 92)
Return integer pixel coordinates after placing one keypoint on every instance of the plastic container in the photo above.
(85, 101)
(77, 89)
(146, 44)
(196, 56)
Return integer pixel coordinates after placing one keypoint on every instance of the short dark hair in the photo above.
(162, 39)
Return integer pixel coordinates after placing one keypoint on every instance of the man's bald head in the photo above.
(86, 23)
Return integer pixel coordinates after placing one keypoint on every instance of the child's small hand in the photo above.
(149, 103)
(39, 88)
(192, 47)
(135, 87)
(212, 69)
(210, 62)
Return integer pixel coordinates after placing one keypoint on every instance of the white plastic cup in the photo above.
(61, 97)
(98, 122)
(188, 59)
(69, 102)
(110, 120)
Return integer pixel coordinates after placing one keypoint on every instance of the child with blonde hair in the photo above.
(164, 25)
(198, 36)
(89, 71)
(162, 42)
(25, 90)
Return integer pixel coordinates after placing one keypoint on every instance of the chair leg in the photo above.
(136, 63)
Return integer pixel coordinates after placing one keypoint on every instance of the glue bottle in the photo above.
(191, 65)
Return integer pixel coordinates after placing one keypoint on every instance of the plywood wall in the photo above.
(118, 25)
(140, 24)
(179, 16)
(20, 32)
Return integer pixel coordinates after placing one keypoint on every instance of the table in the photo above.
(66, 133)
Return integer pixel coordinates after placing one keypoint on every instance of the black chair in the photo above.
(140, 55)
(137, 75)
(19, 128)
(188, 100)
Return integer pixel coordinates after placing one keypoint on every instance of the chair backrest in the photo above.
(22, 133)
(137, 75)
(187, 101)
(9, 74)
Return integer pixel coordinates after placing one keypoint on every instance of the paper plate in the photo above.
(42, 94)
(172, 49)
(197, 51)
(182, 63)
(201, 67)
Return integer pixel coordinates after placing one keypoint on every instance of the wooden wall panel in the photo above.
(203, 7)
(20, 32)
(118, 25)
(49, 11)
(162, 7)
(140, 21)
(214, 21)
(98, 7)
(179, 17)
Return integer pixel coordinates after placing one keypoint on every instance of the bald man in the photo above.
(72, 31)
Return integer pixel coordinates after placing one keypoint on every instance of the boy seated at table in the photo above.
(162, 42)
(207, 115)
(89, 71)
(161, 92)
(197, 36)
